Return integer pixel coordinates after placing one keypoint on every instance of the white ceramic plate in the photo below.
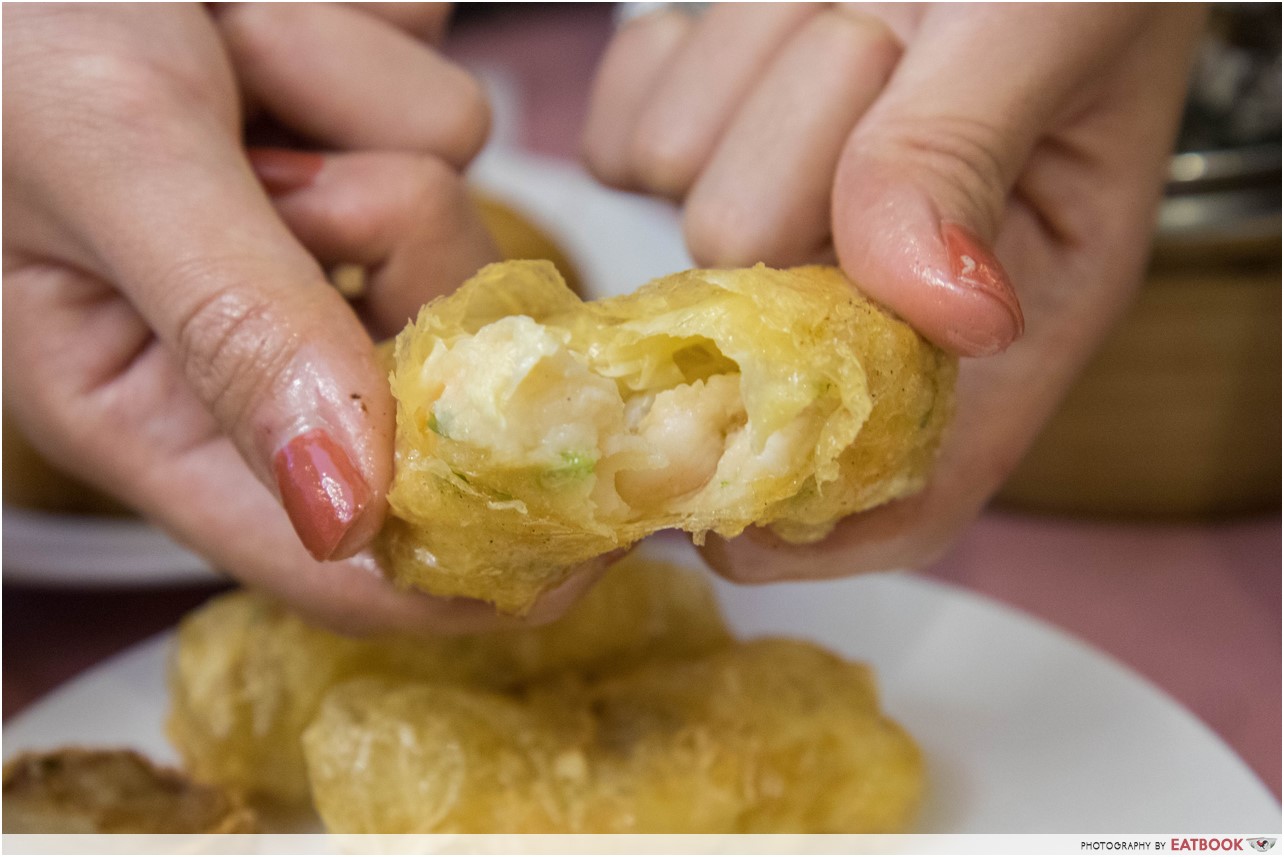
(84, 550)
(618, 241)
(1024, 729)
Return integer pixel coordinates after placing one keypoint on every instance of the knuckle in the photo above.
(425, 21)
(136, 103)
(363, 227)
(475, 122)
(430, 22)
(460, 137)
(439, 195)
(426, 209)
(435, 179)
(254, 31)
(234, 346)
(125, 93)
(959, 153)
(601, 155)
(614, 105)
(363, 221)
(426, 203)
(776, 225)
(721, 233)
(867, 37)
(664, 162)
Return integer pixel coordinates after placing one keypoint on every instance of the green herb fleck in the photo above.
(435, 425)
(576, 465)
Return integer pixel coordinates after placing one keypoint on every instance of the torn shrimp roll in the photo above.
(536, 431)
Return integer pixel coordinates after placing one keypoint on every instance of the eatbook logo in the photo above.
(1261, 843)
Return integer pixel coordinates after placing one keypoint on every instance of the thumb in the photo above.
(275, 353)
(924, 179)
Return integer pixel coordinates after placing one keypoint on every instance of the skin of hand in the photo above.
(909, 140)
(169, 331)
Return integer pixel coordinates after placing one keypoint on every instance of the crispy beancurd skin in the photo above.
(830, 405)
(772, 736)
(247, 675)
(82, 790)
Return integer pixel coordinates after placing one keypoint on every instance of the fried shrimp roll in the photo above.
(772, 736)
(536, 431)
(86, 790)
(247, 674)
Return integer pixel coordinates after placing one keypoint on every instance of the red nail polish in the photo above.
(284, 170)
(974, 266)
(321, 489)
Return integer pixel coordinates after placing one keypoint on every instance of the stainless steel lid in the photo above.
(1223, 191)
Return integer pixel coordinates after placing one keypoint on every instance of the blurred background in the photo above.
(1145, 520)
(1179, 414)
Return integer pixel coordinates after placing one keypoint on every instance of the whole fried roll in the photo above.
(247, 675)
(83, 790)
(772, 736)
(536, 431)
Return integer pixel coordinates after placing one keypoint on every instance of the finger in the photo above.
(555, 603)
(425, 21)
(176, 218)
(764, 196)
(104, 400)
(996, 419)
(408, 218)
(634, 61)
(702, 87)
(352, 81)
(895, 536)
(925, 177)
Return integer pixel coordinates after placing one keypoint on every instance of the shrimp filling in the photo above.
(649, 441)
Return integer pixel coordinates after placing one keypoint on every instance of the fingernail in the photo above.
(974, 266)
(284, 170)
(321, 489)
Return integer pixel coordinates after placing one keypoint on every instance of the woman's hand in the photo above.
(168, 332)
(910, 140)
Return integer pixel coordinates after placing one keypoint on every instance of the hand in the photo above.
(169, 333)
(909, 140)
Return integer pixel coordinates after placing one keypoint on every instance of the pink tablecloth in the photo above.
(1194, 608)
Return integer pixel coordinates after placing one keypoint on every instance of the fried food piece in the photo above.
(516, 236)
(74, 790)
(248, 675)
(536, 431)
(772, 736)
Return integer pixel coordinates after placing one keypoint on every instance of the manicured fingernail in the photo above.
(321, 489)
(974, 266)
(284, 170)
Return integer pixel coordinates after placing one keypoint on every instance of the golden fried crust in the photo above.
(74, 790)
(773, 736)
(804, 346)
(247, 675)
(516, 236)
(911, 391)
